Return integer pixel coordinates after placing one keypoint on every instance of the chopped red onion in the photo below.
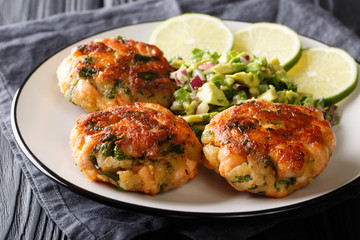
(245, 59)
(184, 72)
(173, 75)
(180, 76)
(202, 108)
(193, 96)
(196, 83)
(238, 87)
(177, 80)
(205, 66)
(197, 72)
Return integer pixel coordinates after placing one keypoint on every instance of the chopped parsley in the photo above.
(112, 92)
(169, 167)
(87, 72)
(148, 76)
(89, 60)
(266, 162)
(144, 59)
(163, 186)
(287, 182)
(241, 179)
(253, 188)
(93, 160)
(120, 155)
(242, 127)
(173, 148)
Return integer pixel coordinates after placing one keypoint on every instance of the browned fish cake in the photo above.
(141, 147)
(113, 72)
(267, 148)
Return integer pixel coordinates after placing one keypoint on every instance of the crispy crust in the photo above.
(267, 148)
(111, 72)
(144, 133)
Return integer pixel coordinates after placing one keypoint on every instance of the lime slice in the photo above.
(181, 34)
(325, 72)
(269, 40)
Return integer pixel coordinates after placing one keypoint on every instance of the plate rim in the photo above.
(310, 203)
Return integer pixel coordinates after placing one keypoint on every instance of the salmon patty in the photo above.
(268, 148)
(141, 147)
(115, 72)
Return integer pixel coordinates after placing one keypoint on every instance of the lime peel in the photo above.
(327, 73)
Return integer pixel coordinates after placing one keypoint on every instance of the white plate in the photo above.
(42, 119)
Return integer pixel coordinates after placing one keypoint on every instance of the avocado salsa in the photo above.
(210, 83)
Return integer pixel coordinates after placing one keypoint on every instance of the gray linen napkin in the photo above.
(24, 46)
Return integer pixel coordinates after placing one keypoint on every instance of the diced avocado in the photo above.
(289, 97)
(239, 97)
(211, 94)
(194, 118)
(262, 61)
(228, 68)
(254, 91)
(248, 79)
(224, 88)
(176, 106)
(200, 127)
(270, 95)
(275, 65)
(176, 63)
(263, 88)
(226, 57)
(190, 108)
(281, 76)
(229, 81)
(308, 101)
(218, 79)
(292, 97)
(199, 118)
(255, 68)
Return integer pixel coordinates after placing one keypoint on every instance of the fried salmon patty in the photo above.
(267, 148)
(113, 72)
(141, 147)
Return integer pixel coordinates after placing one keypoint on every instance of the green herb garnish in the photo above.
(175, 148)
(120, 155)
(93, 160)
(89, 60)
(245, 178)
(87, 72)
(242, 127)
(163, 186)
(287, 182)
(148, 76)
(112, 92)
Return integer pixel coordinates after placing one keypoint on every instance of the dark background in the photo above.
(12, 11)
(21, 217)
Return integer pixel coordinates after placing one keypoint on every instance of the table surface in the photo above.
(21, 216)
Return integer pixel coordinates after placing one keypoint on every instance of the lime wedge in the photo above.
(269, 40)
(325, 72)
(178, 36)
